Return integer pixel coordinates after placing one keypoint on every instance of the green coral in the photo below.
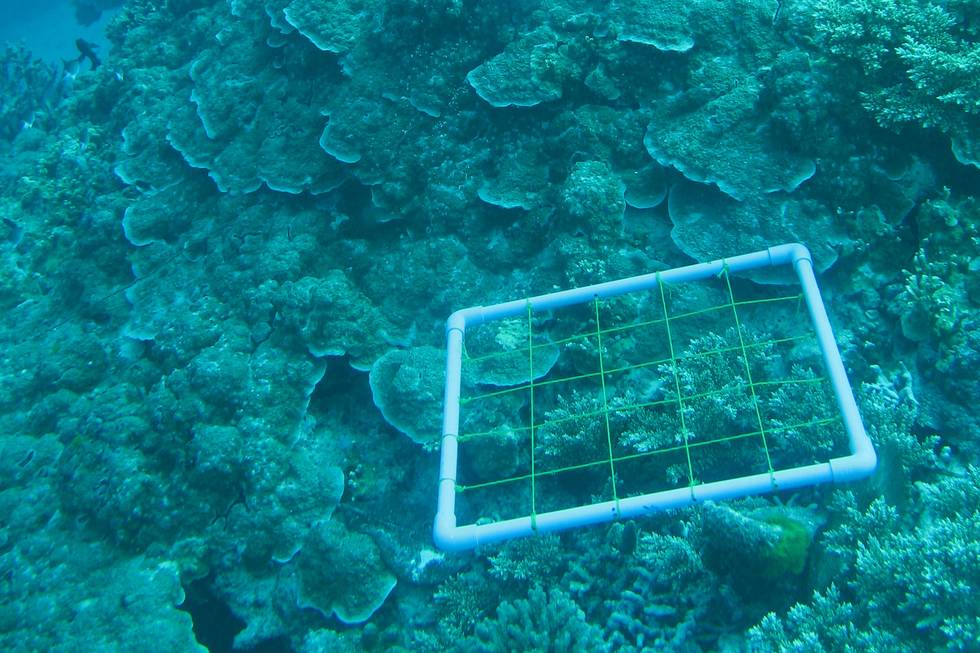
(789, 553)
(752, 544)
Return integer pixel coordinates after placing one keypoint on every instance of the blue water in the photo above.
(228, 253)
(48, 28)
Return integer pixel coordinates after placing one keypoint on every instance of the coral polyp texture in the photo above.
(227, 254)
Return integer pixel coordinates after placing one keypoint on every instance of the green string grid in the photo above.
(645, 454)
(611, 459)
(632, 326)
(605, 404)
(530, 361)
(677, 385)
(748, 369)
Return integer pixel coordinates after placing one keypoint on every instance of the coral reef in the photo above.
(914, 61)
(29, 90)
(226, 259)
(546, 622)
(907, 601)
(340, 573)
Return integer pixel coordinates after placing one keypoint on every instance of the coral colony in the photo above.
(229, 251)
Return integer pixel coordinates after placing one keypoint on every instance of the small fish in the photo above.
(87, 52)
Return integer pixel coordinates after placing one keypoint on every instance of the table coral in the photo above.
(407, 387)
(722, 142)
(233, 130)
(527, 73)
(749, 225)
(341, 573)
(666, 28)
(334, 27)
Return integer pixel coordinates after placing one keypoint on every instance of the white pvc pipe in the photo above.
(860, 463)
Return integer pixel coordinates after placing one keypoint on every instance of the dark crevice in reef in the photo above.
(215, 625)
(343, 391)
(274, 645)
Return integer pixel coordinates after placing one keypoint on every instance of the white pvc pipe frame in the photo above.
(861, 463)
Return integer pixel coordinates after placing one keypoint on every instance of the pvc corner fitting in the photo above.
(854, 467)
(464, 317)
(789, 254)
(450, 538)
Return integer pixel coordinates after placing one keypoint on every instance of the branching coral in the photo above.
(941, 296)
(908, 589)
(891, 413)
(464, 601)
(913, 63)
(651, 591)
(543, 622)
(938, 307)
(29, 89)
(528, 560)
